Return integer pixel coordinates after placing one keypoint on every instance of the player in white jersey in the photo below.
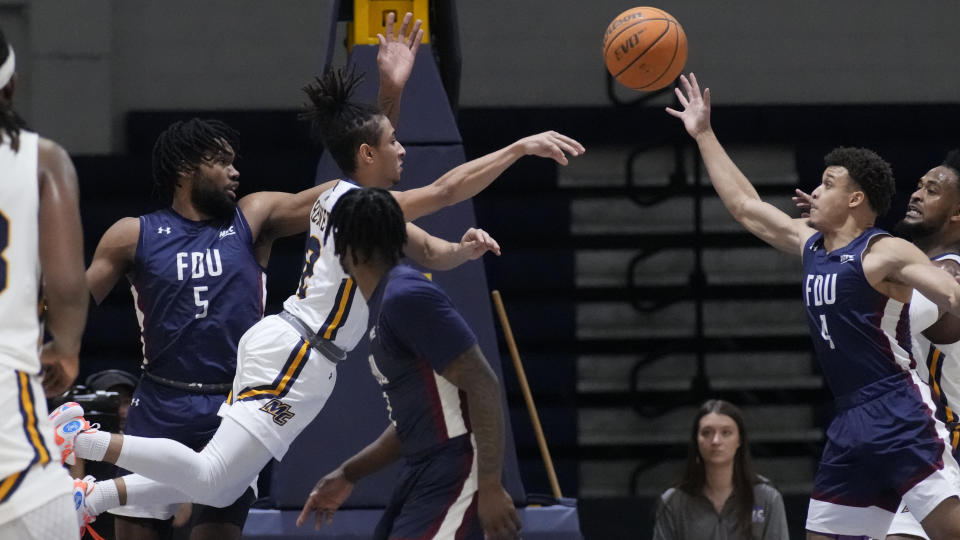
(932, 222)
(286, 365)
(41, 259)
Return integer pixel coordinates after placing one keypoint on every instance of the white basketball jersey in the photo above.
(20, 329)
(938, 365)
(327, 299)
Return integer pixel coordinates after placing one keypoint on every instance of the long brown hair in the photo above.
(694, 477)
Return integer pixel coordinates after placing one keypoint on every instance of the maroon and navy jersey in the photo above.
(860, 335)
(415, 332)
(197, 287)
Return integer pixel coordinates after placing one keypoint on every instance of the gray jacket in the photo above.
(685, 517)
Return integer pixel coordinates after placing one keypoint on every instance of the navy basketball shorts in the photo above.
(884, 445)
(161, 411)
(436, 495)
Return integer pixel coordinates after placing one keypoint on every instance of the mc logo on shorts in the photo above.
(279, 410)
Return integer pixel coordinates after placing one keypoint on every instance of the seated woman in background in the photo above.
(720, 497)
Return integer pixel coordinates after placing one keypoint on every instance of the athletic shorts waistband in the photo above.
(191, 387)
(323, 346)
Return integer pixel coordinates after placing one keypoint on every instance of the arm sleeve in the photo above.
(923, 312)
(423, 321)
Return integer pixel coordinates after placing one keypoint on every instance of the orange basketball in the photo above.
(645, 48)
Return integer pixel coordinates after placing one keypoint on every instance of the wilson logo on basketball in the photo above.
(645, 48)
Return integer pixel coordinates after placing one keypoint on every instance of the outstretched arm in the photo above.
(741, 199)
(275, 214)
(61, 260)
(472, 177)
(395, 60)
(894, 266)
(334, 488)
(471, 373)
(438, 254)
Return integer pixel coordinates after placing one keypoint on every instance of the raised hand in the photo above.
(498, 516)
(696, 106)
(551, 144)
(398, 52)
(325, 498)
(802, 200)
(476, 242)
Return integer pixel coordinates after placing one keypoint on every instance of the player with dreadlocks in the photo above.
(42, 257)
(450, 485)
(196, 274)
(286, 363)
(196, 270)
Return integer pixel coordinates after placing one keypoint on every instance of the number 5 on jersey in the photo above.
(201, 303)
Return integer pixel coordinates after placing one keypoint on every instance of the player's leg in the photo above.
(280, 386)
(138, 528)
(35, 490)
(215, 531)
(215, 476)
(211, 523)
(944, 520)
(235, 454)
(156, 411)
(934, 499)
(145, 418)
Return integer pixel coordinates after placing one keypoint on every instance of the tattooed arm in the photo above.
(471, 373)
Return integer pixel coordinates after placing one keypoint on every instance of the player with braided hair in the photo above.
(365, 222)
(286, 363)
(196, 270)
(450, 485)
(186, 264)
(191, 142)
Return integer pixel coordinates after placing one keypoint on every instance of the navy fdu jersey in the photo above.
(197, 287)
(415, 332)
(860, 335)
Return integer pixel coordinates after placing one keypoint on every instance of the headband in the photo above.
(6, 70)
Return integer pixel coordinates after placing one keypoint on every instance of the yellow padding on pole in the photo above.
(370, 19)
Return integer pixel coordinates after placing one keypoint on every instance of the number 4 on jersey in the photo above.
(824, 333)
